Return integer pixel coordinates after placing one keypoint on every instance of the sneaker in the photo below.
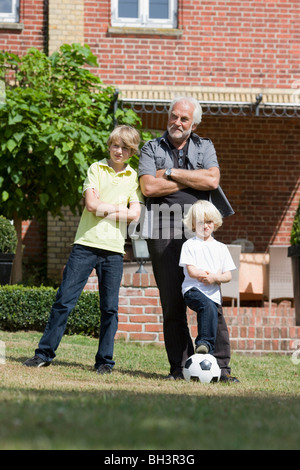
(227, 378)
(202, 349)
(103, 369)
(36, 361)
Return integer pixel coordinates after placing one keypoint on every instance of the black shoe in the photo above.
(175, 376)
(227, 378)
(103, 369)
(36, 361)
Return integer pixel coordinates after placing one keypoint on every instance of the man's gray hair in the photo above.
(197, 116)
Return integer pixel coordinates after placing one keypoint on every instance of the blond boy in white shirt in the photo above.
(207, 263)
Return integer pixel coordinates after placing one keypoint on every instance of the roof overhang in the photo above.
(216, 100)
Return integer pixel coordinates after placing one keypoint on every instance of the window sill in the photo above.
(12, 26)
(140, 31)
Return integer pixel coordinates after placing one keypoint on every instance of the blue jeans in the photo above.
(109, 269)
(207, 317)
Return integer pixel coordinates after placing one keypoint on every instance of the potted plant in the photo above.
(8, 245)
(294, 253)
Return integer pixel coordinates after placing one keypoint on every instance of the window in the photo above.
(9, 11)
(144, 13)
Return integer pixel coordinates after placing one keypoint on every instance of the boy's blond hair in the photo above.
(128, 135)
(202, 211)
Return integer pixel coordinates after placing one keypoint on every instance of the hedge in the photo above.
(28, 308)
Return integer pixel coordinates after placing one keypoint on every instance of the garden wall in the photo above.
(252, 330)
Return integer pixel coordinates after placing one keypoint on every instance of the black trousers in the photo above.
(165, 255)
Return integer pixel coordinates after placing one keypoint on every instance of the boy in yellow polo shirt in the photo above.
(112, 200)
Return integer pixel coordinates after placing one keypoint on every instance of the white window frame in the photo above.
(12, 17)
(143, 21)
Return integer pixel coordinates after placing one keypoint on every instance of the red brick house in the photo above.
(240, 59)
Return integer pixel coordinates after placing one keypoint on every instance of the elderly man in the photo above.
(176, 170)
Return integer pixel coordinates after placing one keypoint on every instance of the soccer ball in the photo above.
(202, 368)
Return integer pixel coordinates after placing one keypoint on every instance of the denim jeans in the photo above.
(207, 317)
(109, 269)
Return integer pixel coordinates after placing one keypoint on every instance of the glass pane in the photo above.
(128, 9)
(5, 6)
(159, 9)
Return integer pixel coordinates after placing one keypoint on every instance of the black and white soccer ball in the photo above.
(202, 368)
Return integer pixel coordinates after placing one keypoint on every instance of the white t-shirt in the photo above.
(209, 256)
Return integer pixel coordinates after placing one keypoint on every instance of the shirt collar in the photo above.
(127, 169)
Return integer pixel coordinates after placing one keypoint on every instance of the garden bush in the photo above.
(28, 308)
(8, 236)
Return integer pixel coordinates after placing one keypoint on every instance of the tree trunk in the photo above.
(17, 266)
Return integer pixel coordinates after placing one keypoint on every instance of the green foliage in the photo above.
(8, 236)
(28, 308)
(54, 124)
(295, 233)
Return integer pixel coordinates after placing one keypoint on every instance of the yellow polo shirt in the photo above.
(114, 188)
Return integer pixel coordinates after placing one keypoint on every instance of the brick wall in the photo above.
(60, 236)
(236, 43)
(33, 236)
(251, 330)
(32, 30)
(140, 315)
(260, 168)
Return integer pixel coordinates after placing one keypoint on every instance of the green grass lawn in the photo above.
(69, 406)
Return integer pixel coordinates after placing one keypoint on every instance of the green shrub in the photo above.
(28, 308)
(8, 236)
(295, 233)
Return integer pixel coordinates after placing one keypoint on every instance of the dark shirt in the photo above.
(158, 154)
